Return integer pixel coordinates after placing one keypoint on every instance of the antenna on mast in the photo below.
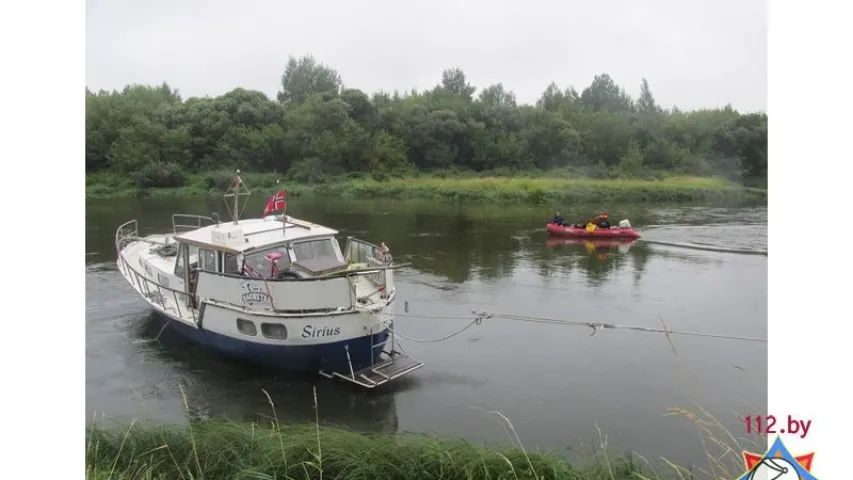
(236, 190)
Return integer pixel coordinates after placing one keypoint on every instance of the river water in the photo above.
(557, 383)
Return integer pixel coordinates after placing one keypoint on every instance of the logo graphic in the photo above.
(777, 464)
(254, 295)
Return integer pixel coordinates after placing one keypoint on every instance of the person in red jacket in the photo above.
(601, 221)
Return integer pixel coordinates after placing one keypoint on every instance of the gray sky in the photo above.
(694, 53)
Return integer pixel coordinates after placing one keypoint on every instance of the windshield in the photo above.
(256, 262)
(318, 255)
(314, 249)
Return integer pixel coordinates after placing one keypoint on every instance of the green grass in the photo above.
(218, 449)
(222, 449)
(541, 190)
(530, 188)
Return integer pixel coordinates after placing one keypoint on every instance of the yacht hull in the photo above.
(330, 357)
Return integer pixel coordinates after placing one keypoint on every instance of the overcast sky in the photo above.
(694, 53)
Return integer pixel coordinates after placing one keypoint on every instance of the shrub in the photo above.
(307, 170)
(159, 175)
(219, 180)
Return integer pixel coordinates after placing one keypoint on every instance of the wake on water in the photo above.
(740, 239)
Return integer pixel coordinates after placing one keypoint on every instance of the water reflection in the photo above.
(599, 248)
(221, 387)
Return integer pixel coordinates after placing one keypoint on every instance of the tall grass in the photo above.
(723, 449)
(224, 450)
(528, 188)
(220, 449)
(542, 190)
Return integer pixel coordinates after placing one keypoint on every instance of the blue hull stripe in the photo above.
(329, 357)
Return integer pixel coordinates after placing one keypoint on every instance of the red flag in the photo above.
(276, 202)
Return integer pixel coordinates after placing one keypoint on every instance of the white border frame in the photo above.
(809, 174)
(44, 76)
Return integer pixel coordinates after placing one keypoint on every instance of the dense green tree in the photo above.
(305, 77)
(316, 128)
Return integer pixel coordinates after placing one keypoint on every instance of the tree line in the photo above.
(317, 128)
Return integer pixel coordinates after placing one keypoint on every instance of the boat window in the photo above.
(207, 260)
(274, 330)
(318, 256)
(247, 327)
(232, 265)
(312, 249)
(180, 263)
(337, 248)
(258, 263)
(193, 257)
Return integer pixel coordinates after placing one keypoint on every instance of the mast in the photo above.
(235, 192)
(237, 182)
(284, 213)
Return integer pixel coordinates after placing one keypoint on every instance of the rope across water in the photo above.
(476, 321)
(479, 316)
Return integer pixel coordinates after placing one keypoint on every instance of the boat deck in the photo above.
(164, 299)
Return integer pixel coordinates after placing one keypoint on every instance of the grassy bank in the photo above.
(241, 450)
(223, 449)
(529, 188)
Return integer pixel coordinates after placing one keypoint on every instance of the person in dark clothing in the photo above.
(558, 220)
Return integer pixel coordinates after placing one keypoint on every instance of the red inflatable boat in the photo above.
(572, 231)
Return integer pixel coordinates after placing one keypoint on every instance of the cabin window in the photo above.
(247, 327)
(312, 249)
(274, 330)
(317, 256)
(207, 260)
(232, 265)
(180, 261)
(193, 255)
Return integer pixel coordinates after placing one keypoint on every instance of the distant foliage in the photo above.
(307, 170)
(219, 181)
(159, 175)
(317, 128)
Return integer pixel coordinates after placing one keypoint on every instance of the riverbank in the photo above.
(528, 189)
(215, 449)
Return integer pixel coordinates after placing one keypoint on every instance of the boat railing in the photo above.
(156, 292)
(189, 222)
(125, 234)
(359, 251)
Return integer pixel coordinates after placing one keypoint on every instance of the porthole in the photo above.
(274, 330)
(247, 327)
